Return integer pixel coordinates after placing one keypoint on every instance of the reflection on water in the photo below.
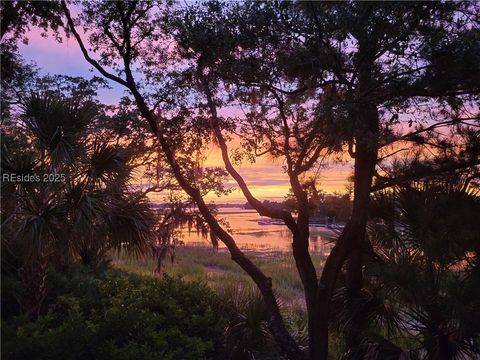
(249, 235)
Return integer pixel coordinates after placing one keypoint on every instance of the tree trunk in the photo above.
(264, 283)
(317, 335)
(308, 276)
(354, 282)
(33, 275)
(276, 324)
(441, 348)
(366, 120)
(353, 234)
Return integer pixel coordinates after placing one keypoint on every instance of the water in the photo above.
(249, 235)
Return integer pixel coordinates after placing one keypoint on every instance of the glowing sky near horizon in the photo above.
(266, 178)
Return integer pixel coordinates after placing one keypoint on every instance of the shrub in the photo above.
(247, 335)
(119, 316)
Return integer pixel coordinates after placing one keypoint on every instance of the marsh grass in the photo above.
(200, 263)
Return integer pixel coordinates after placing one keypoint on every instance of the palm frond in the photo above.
(108, 165)
(424, 238)
(247, 333)
(130, 222)
(43, 222)
(57, 124)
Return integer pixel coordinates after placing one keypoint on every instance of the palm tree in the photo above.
(247, 335)
(423, 274)
(89, 210)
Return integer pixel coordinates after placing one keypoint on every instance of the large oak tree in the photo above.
(370, 81)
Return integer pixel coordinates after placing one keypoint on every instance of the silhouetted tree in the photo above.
(73, 200)
(18, 16)
(317, 79)
(422, 273)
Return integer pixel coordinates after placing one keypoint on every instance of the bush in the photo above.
(119, 316)
(247, 335)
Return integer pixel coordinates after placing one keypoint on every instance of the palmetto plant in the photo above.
(108, 165)
(423, 274)
(247, 335)
(86, 212)
(57, 125)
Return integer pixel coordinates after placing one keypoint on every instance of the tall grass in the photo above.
(200, 263)
(224, 276)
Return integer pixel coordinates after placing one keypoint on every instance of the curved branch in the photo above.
(264, 283)
(84, 50)
(257, 205)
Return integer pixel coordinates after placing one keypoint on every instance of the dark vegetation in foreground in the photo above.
(114, 314)
(420, 297)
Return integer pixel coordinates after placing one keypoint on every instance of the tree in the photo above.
(18, 16)
(317, 79)
(336, 206)
(65, 192)
(347, 88)
(422, 274)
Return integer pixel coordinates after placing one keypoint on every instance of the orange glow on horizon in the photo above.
(267, 180)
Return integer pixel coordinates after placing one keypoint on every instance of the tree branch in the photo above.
(389, 182)
(87, 57)
(257, 205)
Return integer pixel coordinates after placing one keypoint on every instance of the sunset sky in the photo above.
(265, 178)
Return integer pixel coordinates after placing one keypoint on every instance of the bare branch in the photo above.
(85, 53)
(257, 205)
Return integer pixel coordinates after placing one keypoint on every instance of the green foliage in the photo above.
(119, 316)
(422, 274)
(86, 193)
(247, 335)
